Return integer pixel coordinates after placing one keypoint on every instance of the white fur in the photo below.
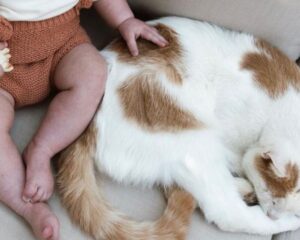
(238, 116)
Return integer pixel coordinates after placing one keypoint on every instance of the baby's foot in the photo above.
(42, 221)
(39, 180)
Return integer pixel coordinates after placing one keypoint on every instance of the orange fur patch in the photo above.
(167, 59)
(80, 195)
(145, 102)
(273, 71)
(181, 205)
(279, 186)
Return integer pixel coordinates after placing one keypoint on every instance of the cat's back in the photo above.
(207, 42)
(164, 92)
(201, 59)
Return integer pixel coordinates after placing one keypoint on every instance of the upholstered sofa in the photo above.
(278, 21)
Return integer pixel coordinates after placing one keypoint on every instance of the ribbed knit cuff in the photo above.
(86, 3)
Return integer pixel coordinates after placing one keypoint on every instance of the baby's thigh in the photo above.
(82, 67)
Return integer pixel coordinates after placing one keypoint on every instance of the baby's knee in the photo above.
(97, 79)
(101, 69)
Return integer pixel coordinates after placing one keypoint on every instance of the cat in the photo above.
(215, 112)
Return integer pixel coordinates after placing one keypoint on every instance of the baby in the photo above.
(49, 50)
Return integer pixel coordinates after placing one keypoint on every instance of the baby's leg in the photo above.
(12, 172)
(80, 78)
(205, 175)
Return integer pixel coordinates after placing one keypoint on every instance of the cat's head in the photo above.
(274, 172)
(272, 164)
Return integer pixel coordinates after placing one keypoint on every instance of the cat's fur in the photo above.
(212, 104)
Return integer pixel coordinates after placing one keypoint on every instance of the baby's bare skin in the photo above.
(79, 79)
(64, 120)
(44, 224)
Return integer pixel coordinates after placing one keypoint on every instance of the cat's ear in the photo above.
(278, 164)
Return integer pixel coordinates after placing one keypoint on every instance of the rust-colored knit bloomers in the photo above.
(36, 49)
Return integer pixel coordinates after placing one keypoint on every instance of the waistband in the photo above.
(7, 28)
(51, 22)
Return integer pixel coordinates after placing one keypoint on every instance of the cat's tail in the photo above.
(80, 195)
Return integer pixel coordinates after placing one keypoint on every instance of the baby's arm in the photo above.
(118, 14)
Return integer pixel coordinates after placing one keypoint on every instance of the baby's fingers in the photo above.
(159, 35)
(132, 45)
(154, 37)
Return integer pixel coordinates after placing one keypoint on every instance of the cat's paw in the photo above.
(287, 223)
(4, 60)
(251, 220)
(246, 191)
(251, 199)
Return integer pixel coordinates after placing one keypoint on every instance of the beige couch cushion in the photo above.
(274, 20)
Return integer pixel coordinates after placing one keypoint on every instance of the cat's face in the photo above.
(275, 176)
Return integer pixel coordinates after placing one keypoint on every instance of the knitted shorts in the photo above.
(36, 49)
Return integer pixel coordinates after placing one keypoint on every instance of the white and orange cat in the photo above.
(207, 112)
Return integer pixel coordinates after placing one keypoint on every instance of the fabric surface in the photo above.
(288, 236)
(36, 49)
(276, 21)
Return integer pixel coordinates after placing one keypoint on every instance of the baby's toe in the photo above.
(29, 191)
(45, 197)
(51, 231)
(55, 235)
(47, 233)
(38, 195)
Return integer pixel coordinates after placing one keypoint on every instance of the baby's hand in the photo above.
(132, 28)
(5, 66)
